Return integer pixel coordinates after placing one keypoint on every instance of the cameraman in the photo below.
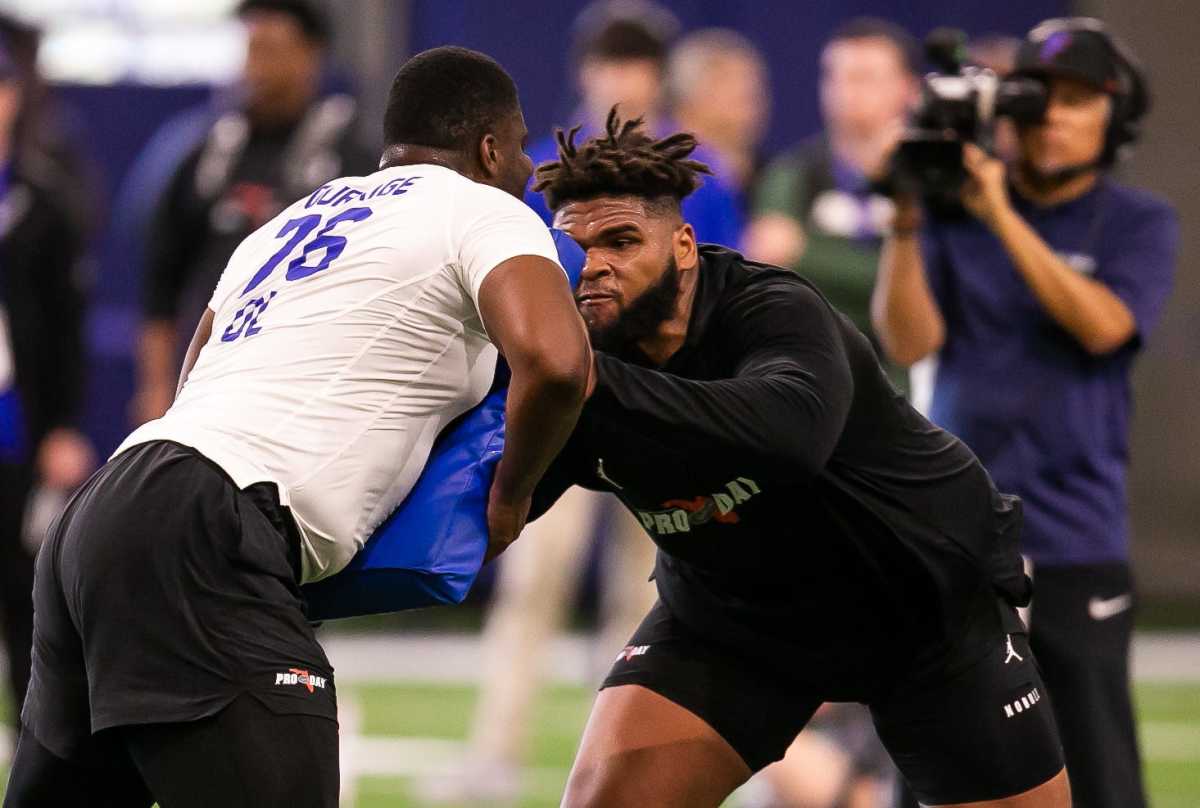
(1038, 303)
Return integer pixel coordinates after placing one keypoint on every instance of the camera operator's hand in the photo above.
(985, 193)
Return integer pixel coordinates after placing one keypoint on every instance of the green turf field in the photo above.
(1170, 716)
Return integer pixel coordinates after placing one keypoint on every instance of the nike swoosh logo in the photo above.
(1102, 609)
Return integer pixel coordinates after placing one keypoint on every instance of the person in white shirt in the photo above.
(172, 659)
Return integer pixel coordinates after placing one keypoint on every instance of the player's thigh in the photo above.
(681, 721)
(976, 731)
(640, 748)
(245, 756)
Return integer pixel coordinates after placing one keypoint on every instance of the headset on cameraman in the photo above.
(1131, 100)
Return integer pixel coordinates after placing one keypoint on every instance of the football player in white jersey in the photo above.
(172, 659)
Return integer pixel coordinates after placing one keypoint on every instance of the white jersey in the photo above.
(347, 335)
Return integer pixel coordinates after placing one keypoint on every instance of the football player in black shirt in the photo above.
(819, 540)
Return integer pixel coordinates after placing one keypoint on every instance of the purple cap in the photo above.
(1069, 49)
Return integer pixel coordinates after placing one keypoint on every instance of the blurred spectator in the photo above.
(836, 762)
(283, 140)
(41, 352)
(620, 57)
(1038, 303)
(815, 210)
(47, 133)
(719, 89)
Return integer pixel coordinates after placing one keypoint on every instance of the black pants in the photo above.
(245, 756)
(16, 577)
(1082, 624)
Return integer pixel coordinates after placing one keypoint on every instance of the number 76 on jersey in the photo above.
(329, 244)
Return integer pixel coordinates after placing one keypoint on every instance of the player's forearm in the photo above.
(1085, 308)
(775, 421)
(544, 401)
(903, 310)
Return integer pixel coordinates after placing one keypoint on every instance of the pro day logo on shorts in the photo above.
(296, 676)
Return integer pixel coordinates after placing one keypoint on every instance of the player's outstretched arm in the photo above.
(782, 412)
(530, 315)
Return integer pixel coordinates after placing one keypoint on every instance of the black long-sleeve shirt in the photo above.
(794, 494)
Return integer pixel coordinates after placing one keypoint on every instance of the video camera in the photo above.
(960, 103)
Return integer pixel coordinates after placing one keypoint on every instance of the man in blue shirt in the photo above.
(1038, 304)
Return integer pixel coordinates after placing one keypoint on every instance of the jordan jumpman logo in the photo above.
(1012, 652)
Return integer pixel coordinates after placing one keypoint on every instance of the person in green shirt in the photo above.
(814, 209)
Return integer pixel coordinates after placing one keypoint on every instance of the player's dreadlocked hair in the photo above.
(624, 161)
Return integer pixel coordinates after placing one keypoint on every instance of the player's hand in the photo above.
(985, 193)
(506, 518)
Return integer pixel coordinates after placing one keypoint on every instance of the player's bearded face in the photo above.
(619, 327)
(631, 282)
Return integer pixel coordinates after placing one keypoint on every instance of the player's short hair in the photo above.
(448, 98)
(311, 20)
(624, 161)
(876, 28)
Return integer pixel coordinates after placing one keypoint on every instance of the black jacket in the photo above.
(792, 491)
(40, 251)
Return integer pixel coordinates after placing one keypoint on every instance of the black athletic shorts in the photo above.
(244, 756)
(162, 594)
(964, 729)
